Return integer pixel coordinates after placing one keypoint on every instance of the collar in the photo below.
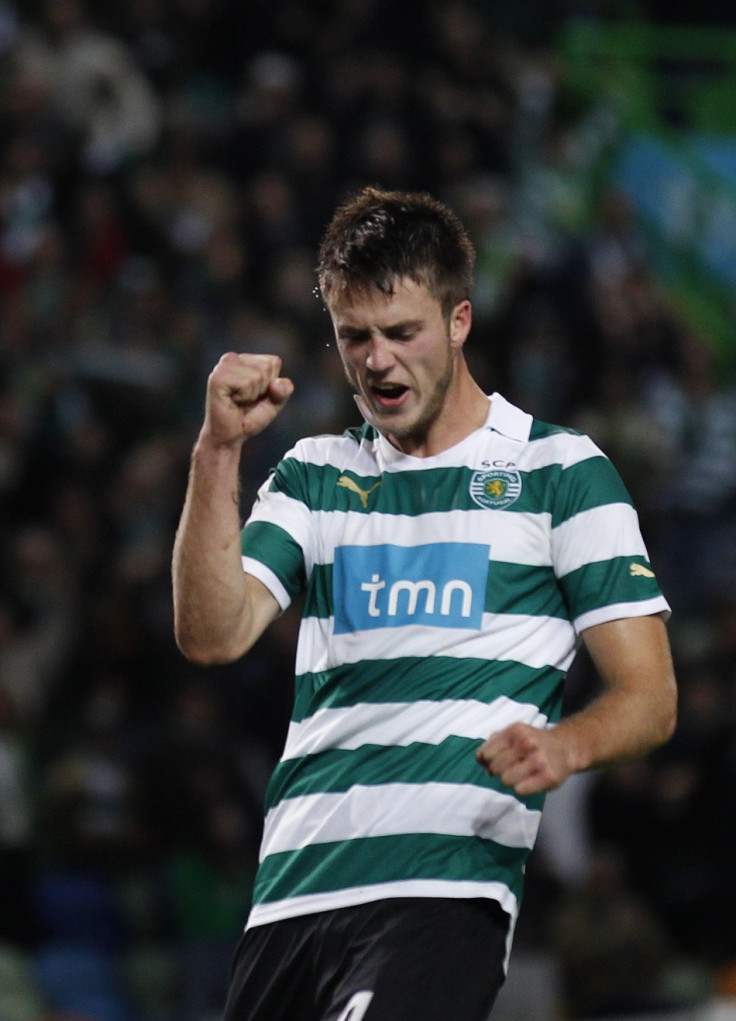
(505, 418)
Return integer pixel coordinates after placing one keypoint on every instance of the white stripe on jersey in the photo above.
(564, 449)
(459, 810)
(280, 507)
(530, 640)
(342, 452)
(523, 538)
(601, 533)
(400, 724)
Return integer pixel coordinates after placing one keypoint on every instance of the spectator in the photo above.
(103, 102)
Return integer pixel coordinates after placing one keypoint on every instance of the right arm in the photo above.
(219, 610)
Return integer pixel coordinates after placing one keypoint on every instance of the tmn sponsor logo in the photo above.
(437, 585)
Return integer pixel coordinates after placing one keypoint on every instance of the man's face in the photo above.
(400, 355)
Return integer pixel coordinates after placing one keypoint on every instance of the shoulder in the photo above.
(558, 444)
(333, 450)
(540, 444)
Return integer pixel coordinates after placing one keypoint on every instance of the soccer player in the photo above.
(452, 551)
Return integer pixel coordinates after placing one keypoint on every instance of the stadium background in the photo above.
(166, 168)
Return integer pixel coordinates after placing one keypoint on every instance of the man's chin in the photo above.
(401, 428)
(397, 419)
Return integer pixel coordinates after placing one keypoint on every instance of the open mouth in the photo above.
(389, 395)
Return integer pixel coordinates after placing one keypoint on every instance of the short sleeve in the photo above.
(599, 555)
(275, 535)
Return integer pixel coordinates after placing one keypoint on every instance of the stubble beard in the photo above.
(401, 426)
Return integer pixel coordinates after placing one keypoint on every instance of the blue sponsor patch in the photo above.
(441, 584)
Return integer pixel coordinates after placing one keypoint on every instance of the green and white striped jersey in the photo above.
(444, 599)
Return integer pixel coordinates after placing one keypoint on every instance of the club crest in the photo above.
(495, 489)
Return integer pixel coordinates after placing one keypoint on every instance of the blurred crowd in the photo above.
(166, 170)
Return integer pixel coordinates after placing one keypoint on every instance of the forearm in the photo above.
(210, 596)
(219, 610)
(638, 707)
(635, 713)
(618, 726)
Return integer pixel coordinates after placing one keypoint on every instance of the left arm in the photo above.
(635, 713)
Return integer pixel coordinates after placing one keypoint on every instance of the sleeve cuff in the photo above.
(619, 611)
(269, 579)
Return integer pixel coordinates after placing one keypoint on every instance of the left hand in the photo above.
(528, 759)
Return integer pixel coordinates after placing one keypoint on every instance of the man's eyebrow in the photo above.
(349, 332)
(404, 326)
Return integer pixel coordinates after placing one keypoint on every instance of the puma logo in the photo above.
(639, 571)
(347, 483)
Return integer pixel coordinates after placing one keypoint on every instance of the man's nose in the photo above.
(380, 354)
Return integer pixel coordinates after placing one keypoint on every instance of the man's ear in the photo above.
(461, 319)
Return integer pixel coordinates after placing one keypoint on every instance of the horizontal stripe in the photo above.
(307, 904)
(538, 642)
(513, 538)
(385, 810)
(595, 535)
(272, 546)
(392, 723)
(584, 479)
(327, 489)
(523, 589)
(433, 678)
(608, 583)
(313, 472)
(585, 486)
(452, 761)
(354, 449)
(365, 862)
(511, 588)
(288, 511)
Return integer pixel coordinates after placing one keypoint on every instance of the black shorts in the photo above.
(403, 959)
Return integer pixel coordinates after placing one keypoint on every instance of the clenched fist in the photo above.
(244, 394)
(528, 759)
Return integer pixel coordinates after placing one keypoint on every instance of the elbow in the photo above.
(201, 641)
(201, 657)
(205, 653)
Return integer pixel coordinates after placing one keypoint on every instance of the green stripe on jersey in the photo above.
(365, 861)
(585, 485)
(552, 489)
(524, 589)
(358, 433)
(607, 582)
(334, 771)
(434, 679)
(274, 547)
(511, 588)
(541, 430)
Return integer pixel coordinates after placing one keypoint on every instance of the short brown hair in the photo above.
(380, 237)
